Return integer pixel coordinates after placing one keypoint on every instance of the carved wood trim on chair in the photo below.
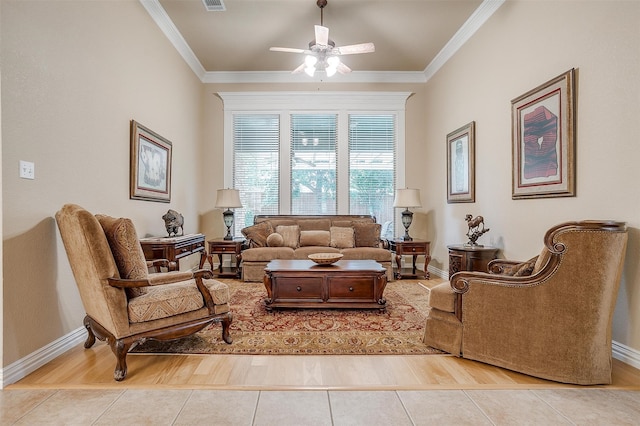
(121, 347)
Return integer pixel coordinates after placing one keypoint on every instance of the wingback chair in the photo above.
(549, 317)
(124, 304)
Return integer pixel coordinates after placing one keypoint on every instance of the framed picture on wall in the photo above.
(150, 177)
(543, 139)
(461, 182)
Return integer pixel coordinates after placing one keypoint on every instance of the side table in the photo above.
(470, 258)
(412, 248)
(174, 248)
(221, 247)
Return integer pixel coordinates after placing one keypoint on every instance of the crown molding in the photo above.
(166, 25)
(475, 21)
(473, 24)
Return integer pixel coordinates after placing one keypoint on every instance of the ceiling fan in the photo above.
(323, 53)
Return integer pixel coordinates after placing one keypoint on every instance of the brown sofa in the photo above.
(297, 236)
(548, 317)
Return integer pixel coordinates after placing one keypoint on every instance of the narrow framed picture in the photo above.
(461, 152)
(150, 177)
(543, 139)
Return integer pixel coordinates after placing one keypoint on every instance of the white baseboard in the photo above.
(27, 365)
(626, 354)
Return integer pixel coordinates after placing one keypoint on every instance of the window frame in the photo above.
(341, 103)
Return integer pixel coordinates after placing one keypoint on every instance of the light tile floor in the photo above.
(319, 407)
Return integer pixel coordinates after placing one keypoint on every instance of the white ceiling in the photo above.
(410, 36)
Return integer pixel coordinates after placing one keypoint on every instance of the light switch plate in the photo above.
(27, 170)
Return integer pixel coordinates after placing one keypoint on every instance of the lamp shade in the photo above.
(228, 198)
(407, 198)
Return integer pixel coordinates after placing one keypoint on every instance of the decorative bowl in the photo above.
(325, 258)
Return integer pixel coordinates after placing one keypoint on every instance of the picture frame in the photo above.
(461, 152)
(543, 140)
(150, 176)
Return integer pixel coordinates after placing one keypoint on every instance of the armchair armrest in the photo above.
(162, 263)
(153, 279)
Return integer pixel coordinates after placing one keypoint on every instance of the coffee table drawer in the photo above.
(298, 288)
(351, 288)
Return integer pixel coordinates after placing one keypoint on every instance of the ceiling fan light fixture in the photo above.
(323, 53)
(310, 61)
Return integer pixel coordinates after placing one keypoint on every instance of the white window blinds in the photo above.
(372, 165)
(313, 163)
(256, 142)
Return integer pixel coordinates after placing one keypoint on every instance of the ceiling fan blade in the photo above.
(286, 49)
(322, 35)
(343, 69)
(298, 70)
(355, 49)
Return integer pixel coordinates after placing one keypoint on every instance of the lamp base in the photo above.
(407, 218)
(228, 221)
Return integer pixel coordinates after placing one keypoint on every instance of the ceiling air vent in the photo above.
(214, 5)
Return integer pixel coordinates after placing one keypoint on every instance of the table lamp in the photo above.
(407, 198)
(228, 199)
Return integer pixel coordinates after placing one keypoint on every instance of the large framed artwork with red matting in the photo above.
(543, 139)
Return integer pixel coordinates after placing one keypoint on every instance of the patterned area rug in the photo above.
(255, 331)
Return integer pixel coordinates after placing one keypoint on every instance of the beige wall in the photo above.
(523, 45)
(74, 74)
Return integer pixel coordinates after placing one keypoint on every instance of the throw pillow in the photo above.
(290, 235)
(342, 237)
(257, 234)
(315, 238)
(127, 251)
(523, 269)
(367, 234)
(275, 240)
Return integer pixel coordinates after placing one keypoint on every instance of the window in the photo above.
(313, 163)
(255, 165)
(314, 153)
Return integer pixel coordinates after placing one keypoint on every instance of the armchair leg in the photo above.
(120, 349)
(91, 338)
(226, 322)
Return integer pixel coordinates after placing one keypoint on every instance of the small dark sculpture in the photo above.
(476, 229)
(173, 221)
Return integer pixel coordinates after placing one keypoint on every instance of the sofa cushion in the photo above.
(257, 234)
(366, 253)
(367, 234)
(290, 235)
(315, 238)
(275, 240)
(322, 224)
(173, 299)
(342, 237)
(266, 254)
(126, 250)
(342, 223)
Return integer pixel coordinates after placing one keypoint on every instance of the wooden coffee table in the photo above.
(345, 284)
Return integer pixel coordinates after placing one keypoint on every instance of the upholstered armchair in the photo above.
(549, 317)
(124, 303)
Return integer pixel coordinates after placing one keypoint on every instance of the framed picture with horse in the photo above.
(461, 180)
